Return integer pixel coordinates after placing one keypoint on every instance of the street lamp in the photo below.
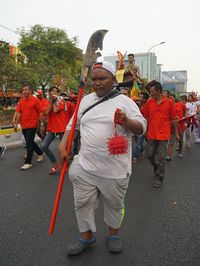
(148, 63)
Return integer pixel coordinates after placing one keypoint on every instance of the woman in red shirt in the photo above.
(58, 117)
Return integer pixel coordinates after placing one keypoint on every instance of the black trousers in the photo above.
(29, 135)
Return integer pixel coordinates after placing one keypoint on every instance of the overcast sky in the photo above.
(133, 26)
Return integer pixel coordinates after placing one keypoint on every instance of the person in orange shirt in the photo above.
(180, 110)
(44, 102)
(159, 112)
(58, 118)
(166, 93)
(28, 112)
(138, 152)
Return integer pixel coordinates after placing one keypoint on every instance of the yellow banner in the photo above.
(120, 75)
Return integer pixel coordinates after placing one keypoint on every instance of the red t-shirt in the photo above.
(69, 110)
(180, 109)
(159, 117)
(44, 103)
(30, 109)
(57, 121)
(142, 108)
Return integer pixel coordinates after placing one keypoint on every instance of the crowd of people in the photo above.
(45, 117)
(114, 132)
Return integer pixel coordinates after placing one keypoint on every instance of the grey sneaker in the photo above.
(78, 246)
(114, 243)
(180, 155)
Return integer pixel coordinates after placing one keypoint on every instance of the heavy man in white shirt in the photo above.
(95, 171)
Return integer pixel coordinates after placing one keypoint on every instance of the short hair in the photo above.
(131, 55)
(157, 85)
(184, 97)
(54, 87)
(145, 95)
(168, 92)
(27, 85)
(125, 88)
(173, 95)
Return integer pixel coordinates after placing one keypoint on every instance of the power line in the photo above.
(9, 29)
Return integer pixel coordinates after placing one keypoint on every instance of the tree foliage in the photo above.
(49, 54)
(8, 74)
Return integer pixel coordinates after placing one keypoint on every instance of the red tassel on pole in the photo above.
(117, 144)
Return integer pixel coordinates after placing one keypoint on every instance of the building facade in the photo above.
(175, 81)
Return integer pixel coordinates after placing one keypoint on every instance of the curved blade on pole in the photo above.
(95, 43)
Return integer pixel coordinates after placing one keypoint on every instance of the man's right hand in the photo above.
(63, 147)
(63, 155)
(15, 127)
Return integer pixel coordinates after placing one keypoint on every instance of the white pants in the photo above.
(188, 136)
(88, 188)
(197, 132)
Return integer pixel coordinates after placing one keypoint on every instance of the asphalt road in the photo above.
(161, 226)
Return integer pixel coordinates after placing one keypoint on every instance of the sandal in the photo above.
(79, 246)
(114, 243)
(54, 170)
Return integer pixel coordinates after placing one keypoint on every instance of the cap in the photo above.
(39, 92)
(105, 65)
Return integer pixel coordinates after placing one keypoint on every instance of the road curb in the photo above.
(12, 139)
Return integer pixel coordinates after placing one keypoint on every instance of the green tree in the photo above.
(49, 53)
(8, 67)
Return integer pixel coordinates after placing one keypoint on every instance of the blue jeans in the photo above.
(139, 149)
(50, 136)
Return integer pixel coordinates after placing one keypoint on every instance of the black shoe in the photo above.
(114, 243)
(157, 183)
(77, 247)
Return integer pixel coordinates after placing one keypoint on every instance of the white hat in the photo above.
(105, 65)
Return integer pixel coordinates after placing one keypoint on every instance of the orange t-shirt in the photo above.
(57, 121)
(159, 117)
(30, 109)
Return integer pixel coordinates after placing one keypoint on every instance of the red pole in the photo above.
(65, 164)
